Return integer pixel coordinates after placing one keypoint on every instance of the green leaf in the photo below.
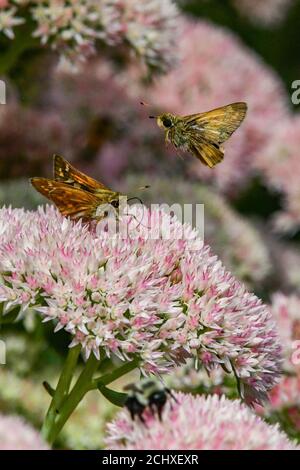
(48, 388)
(116, 398)
(10, 316)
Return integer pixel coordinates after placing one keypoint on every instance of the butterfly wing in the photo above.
(208, 153)
(217, 125)
(71, 202)
(66, 173)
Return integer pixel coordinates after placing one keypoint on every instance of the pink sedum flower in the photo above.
(286, 395)
(284, 401)
(156, 292)
(264, 12)
(217, 69)
(289, 259)
(9, 19)
(15, 434)
(284, 404)
(73, 27)
(149, 26)
(188, 378)
(280, 165)
(286, 311)
(216, 423)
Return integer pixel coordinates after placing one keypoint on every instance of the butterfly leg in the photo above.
(178, 153)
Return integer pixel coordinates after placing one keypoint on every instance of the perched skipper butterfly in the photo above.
(75, 194)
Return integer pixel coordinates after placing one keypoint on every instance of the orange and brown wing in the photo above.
(71, 202)
(218, 124)
(66, 173)
(209, 154)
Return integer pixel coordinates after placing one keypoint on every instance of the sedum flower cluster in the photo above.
(74, 27)
(216, 423)
(154, 292)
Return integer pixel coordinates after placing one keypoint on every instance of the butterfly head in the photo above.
(166, 121)
(112, 198)
(115, 202)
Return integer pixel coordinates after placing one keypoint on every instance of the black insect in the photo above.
(147, 394)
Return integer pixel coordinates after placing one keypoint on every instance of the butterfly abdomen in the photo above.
(179, 137)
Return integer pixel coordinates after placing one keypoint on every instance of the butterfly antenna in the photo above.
(141, 188)
(146, 104)
(138, 221)
(134, 216)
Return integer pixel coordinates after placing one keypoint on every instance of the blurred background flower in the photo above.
(15, 434)
(279, 163)
(73, 28)
(91, 415)
(75, 73)
(264, 12)
(284, 405)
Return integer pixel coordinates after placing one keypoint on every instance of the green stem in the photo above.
(12, 50)
(61, 391)
(79, 390)
(84, 384)
(116, 374)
